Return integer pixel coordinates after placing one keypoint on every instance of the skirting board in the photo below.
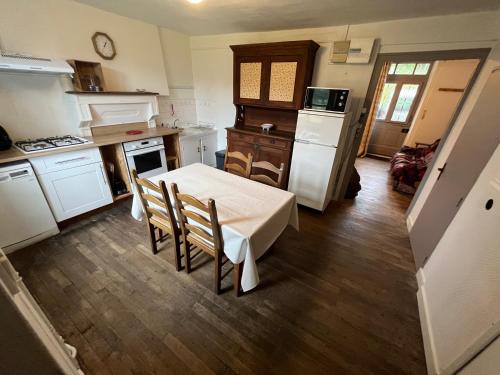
(425, 325)
(409, 223)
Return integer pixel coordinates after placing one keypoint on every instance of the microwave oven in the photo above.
(327, 99)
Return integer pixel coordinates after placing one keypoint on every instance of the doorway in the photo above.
(398, 102)
(417, 97)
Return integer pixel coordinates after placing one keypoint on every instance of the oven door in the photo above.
(148, 162)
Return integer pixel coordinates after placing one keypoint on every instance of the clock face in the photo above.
(104, 46)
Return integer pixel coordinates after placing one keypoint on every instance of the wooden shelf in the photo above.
(121, 196)
(111, 93)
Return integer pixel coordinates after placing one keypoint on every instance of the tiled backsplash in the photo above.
(181, 105)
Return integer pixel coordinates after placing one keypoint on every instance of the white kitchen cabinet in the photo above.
(191, 150)
(208, 147)
(199, 148)
(74, 182)
(77, 190)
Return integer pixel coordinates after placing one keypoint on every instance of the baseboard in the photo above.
(426, 326)
(409, 223)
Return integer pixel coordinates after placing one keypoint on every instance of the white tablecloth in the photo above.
(252, 215)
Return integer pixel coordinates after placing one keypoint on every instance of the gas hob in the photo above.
(30, 146)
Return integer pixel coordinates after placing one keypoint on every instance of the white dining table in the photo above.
(252, 215)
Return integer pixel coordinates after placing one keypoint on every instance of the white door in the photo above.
(191, 150)
(447, 84)
(459, 295)
(310, 174)
(209, 146)
(74, 191)
(320, 127)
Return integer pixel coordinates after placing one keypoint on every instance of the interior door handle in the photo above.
(441, 170)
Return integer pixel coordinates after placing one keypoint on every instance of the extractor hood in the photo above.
(20, 63)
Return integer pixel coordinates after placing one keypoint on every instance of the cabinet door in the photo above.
(209, 146)
(244, 147)
(283, 90)
(249, 80)
(74, 191)
(191, 150)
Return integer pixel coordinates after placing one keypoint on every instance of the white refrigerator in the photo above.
(317, 156)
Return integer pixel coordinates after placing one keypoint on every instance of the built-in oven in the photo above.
(146, 156)
(327, 99)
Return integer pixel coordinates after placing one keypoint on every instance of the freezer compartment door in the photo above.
(323, 130)
(311, 173)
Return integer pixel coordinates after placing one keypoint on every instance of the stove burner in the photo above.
(34, 145)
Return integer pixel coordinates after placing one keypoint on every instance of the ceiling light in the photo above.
(195, 1)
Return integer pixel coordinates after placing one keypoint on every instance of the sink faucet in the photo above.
(175, 122)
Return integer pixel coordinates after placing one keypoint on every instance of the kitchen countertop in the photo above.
(13, 154)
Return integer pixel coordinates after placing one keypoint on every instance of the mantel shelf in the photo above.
(134, 93)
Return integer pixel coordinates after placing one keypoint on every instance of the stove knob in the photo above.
(341, 104)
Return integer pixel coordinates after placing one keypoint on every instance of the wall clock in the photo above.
(104, 45)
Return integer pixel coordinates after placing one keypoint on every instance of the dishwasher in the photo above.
(25, 216)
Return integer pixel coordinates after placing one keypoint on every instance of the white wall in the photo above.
(436, 108)
(35, 105)
(212, 57)
(180, 103)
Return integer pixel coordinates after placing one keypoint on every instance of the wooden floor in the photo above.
(336, 298)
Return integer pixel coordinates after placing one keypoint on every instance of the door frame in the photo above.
(425, 56)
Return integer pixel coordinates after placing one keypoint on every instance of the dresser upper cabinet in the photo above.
(273, 75)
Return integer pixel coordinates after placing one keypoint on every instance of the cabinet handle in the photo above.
(199, 150)
(103, 175)
(71, 160)
(204, 148)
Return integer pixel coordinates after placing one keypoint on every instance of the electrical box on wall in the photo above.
(354, 51)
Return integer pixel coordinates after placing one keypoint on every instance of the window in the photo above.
(418, 69)
(385, 100)
(422, 69)
(405, 100)
(392, 68)
(405, 68)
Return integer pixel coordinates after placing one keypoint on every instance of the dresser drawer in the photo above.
(235, 136)
(279, 143)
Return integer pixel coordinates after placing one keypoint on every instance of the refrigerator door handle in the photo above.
(314, 143)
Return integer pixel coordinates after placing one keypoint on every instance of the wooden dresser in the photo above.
(269, 83)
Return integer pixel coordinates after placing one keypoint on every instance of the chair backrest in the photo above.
(157, 207)
(264, 178)
(205, 216)
(242, 169)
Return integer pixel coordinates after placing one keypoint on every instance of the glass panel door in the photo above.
(404, 103)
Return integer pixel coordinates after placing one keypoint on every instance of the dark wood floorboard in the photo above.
(336, 298)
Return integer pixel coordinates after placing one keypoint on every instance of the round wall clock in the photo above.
(104, 45)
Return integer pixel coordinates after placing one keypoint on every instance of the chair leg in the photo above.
(160, 233)
(237, 272)
(177, 252)
(218, 272)
(152, 238)
(187, 256)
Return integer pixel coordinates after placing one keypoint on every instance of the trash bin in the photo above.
(219, 157)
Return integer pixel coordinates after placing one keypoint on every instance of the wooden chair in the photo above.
(265, 179)
(238, 168)
(206, 235)
(160, 215)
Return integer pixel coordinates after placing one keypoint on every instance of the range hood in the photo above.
(19, 63)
